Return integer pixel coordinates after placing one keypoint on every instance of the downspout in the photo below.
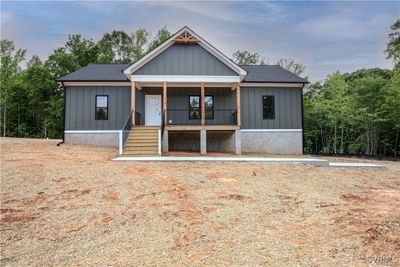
(302, 115)
(62, 142)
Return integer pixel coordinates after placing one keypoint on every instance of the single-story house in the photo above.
(185, 95)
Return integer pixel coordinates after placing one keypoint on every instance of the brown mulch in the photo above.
(71, 205)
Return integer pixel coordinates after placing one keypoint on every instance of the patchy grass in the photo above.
(71, 205)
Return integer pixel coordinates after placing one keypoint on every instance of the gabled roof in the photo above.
(270, 73)
(114, 73)
(185, 34)
(98, 72)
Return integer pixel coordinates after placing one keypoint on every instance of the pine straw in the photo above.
(71, 205)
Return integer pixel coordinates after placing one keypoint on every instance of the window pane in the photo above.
(101, 101)
(101, 107)
(194, 101)
(268, 107)
(101, 114)
(194, 113)
(209, 107)
(209, 113)
(209, 101)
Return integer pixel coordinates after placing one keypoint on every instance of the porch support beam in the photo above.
(238, 104)
(133, 103)
(165, 103)
(203, 106)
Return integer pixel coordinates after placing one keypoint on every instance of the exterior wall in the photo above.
(178, 100)
(287, 108)
(80, 107)
(276, 142)
(189, 59)
(99, 139)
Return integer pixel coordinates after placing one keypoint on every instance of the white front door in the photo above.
(153, 110)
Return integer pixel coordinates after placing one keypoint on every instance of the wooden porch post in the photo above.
(203, 106)
(165, 103)
(238, 104)
(133, 102)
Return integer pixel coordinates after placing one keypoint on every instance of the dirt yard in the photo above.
(70, 205)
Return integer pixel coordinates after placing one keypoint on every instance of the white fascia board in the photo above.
(294, 85)
(185, 78)
(271, 130)
(203, 43)
(91, 131)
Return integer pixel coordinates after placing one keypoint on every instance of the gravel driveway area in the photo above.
(71, 205)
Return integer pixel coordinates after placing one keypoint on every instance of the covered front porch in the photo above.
(196, 116)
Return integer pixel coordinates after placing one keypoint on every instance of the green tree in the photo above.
(291, 65)
(393, 45)
(139, 39)
(162, 35)
(115, 47)
(391, 110)
(9, 69)
(244, 57)
(85, 51)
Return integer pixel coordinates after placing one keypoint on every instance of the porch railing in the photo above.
(215, 117)
(139, 118)
(222, 117)
(181, 117)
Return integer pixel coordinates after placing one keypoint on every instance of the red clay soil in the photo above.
(71, 205)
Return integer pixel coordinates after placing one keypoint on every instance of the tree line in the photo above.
(31, 101)
(348, 113)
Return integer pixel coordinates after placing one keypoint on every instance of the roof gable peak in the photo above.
(185, 36)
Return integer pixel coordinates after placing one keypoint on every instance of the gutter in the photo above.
(63, 140)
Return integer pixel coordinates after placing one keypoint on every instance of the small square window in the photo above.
(268, 107)
(101, 107)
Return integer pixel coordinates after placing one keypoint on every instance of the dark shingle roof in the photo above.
(114, 73)
(270, 73)
(98, 72)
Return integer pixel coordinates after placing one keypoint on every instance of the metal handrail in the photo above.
(126, 130)
(127, 120)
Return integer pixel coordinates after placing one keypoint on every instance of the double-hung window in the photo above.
(268, 107)
(102, 107)
(195, 107)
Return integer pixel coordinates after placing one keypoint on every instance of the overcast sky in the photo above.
(324, 36)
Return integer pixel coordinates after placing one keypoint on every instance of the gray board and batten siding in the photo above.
(287, 108)
(190, 59)
(81, 105)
